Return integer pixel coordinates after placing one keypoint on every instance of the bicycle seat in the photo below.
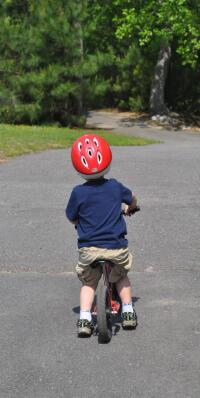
(101, 262)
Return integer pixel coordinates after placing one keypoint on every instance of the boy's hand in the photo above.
(131, 207)
(74, 222)
(127, 210)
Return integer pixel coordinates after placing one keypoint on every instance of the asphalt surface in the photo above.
(41, 356)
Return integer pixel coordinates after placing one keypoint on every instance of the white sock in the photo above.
(85, 314)
(127, 307)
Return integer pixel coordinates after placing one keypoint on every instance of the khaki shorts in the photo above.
(121, 258)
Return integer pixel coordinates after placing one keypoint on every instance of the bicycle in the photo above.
(108, 302)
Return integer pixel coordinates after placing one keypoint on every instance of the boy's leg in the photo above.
(89, 277)
(124, 290)
(129, 317)
(123, 264)
(86, 298)
(85, 325)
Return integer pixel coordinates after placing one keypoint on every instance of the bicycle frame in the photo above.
(106, 269)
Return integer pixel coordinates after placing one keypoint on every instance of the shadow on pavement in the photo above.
(140, 121)
(76, 310)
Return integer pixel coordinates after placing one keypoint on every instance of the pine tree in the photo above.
(41, 59)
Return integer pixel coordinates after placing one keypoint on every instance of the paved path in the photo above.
(41, 356)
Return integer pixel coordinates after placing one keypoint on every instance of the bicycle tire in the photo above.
(103, 314)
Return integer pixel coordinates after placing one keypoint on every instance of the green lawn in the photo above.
(19, 140)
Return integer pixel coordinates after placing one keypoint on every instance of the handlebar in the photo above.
(135, 210)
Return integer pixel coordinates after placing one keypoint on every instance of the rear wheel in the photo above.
(103, 313)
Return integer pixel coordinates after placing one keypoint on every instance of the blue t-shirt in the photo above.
(97, 207)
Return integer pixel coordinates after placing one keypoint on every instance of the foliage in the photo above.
(163, 21)
(41, 61)
(183, 88)
(60, 58)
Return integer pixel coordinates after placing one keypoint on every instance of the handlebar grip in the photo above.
(135, 210)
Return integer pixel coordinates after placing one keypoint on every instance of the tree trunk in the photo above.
(157, 97)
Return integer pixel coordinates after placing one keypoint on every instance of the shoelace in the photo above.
(130, 315)
(85, 323)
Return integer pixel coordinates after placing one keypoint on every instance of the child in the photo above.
(95, 209)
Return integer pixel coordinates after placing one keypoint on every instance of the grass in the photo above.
(20, 140)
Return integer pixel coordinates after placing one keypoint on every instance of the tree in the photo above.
(116, 68)
(41, 61)
(157, 24)
(60, 58)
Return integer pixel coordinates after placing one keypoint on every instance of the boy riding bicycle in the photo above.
(95, 209)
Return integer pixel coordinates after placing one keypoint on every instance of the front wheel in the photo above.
(103, 313)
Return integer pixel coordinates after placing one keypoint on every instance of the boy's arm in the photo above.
(68, 215)
(129, 208)
(72, 209)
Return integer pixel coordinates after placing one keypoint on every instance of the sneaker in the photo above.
(129, 320)
(85, 328)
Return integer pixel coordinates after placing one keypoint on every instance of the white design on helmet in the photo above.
(90, 152)
(87, 141)
(84, 161)
(96, 141)
(99, 157)
(79, 146)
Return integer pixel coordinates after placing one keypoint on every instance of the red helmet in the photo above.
(91, 156)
